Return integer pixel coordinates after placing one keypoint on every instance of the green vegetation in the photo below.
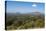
(24, 22)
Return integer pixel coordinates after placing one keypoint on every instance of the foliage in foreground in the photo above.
(24, 22)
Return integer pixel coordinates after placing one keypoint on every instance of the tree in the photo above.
(39, 23)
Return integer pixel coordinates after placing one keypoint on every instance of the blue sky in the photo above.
(24, 7)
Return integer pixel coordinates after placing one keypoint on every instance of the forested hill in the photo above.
(24, 21)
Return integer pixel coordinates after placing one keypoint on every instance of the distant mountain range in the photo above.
(33, 13)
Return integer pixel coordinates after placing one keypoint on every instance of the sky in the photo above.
(24, 7)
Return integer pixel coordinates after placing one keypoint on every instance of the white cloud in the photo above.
(34, 5)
